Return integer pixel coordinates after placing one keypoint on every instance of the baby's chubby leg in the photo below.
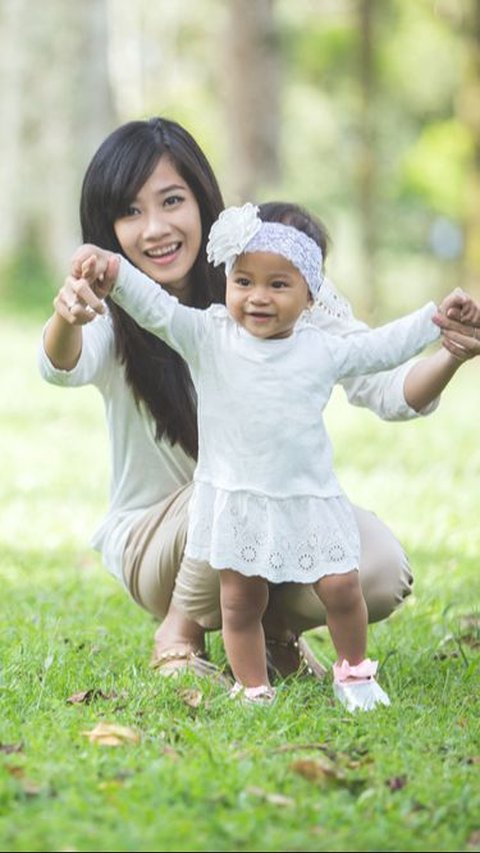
(347, 616)
(243, 602)
(354, 675)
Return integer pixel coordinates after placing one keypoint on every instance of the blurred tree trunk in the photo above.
(252, 93)
(366, 160)
(56, 103)
(13, 55)
(469, 110)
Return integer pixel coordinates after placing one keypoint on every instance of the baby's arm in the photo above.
(101, 273)
(387, 346)
(157, 311)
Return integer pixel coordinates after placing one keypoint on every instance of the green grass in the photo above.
(404, 778)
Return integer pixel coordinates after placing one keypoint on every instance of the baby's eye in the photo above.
(243, 282)
(278, 285)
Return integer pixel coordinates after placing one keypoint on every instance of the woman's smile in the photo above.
(164, 254)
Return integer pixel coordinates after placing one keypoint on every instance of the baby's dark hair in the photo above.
(297, 217)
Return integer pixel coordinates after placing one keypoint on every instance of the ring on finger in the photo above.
(475, 333)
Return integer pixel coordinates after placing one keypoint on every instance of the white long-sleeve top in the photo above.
(144, 470)
(261, 431)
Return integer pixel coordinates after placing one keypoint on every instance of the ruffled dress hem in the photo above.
(299, 539)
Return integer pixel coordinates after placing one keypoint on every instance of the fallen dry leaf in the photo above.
(317, 771)
(446, 655)
(470, 620)
(87, 696)
(191, 697)
(269, 797)
(111, 734)
(15, 770)
(473, 842)
(396, 783)
(471, 639)
(9, 748)
(28, 786)
(168, 750)
(291, 747)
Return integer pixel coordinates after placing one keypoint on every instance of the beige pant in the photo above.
(157, 572)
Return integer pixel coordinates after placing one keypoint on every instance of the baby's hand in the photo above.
(93, 273)
(459, 319)
(97, 268)
(461, 307)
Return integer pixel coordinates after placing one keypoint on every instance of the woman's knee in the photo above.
(384, 569)
(197, 593)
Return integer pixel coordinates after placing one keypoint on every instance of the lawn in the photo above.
(202, 773)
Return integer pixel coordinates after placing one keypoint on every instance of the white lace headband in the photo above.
(240, 229)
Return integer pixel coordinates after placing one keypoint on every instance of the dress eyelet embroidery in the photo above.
(237, 530)
(276, 561)
(249, 553)
(305, 562)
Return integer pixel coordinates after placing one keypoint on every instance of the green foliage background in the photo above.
(423, 149)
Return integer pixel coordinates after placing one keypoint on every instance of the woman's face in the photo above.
(161, 230)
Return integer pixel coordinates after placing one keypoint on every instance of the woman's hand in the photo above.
(459, 318)
(74, 304)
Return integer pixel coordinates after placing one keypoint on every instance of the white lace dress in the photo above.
(266, 500)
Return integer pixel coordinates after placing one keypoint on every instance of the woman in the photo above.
(150, 194)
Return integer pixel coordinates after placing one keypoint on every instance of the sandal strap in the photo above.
(196, 661)
(283, 644)
(309, 659)
(307, 662)
(170, 655)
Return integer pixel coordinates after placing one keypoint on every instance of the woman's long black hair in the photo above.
(158, 376)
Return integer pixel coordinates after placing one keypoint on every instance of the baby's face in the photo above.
(266, 294)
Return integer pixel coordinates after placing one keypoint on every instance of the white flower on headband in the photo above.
(229, 235)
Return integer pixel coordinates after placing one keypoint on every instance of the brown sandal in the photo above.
(172, 662)
(293, 657)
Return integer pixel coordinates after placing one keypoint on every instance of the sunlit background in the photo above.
(366, 111)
